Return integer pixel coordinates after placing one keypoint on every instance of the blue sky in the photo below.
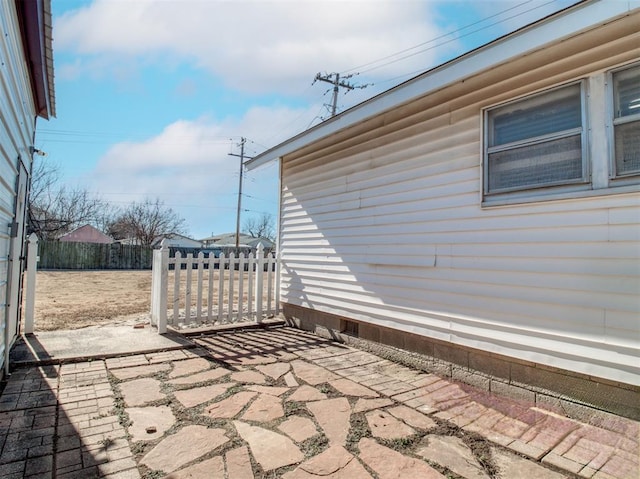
(153, 95)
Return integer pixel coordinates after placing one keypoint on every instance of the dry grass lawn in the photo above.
(77, 299)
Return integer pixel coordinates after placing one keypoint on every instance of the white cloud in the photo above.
(201, 142)
(183, 143)
(188, 166)
(252, 45)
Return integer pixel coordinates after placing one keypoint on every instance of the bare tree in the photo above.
(60, 211)
(119, 228)
(44, 178)
(262, 226)
(54, 210)
(146, 221)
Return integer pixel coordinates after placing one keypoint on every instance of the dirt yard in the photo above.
(77, 299)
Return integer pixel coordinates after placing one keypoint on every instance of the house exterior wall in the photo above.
(384, 224)
(17, 114)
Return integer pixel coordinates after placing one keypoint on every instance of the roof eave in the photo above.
(36, 25)
(570, 20)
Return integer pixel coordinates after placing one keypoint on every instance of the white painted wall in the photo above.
(17, 118)
(386, 225)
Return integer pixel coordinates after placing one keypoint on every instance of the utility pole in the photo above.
(242, 157)
(334, 79)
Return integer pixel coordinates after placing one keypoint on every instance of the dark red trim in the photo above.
(31, 20)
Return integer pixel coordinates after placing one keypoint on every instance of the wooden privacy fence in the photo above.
(71, 255)
(208, 291)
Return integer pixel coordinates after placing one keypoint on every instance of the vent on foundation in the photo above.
(350, 328)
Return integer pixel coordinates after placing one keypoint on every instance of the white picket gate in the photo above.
(200, 291)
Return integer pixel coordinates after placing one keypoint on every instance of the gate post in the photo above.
(159, 283)
(32, 267)
(259, 281)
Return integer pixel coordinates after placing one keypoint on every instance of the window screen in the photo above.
(544, 163)
(626, 91)
(535, 142)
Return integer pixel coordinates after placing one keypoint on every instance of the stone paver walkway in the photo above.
(285, 403)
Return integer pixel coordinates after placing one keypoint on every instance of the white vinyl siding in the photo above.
(387, 226)
(17, 123)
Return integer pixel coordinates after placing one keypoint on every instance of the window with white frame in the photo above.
(626, 122)
(536, 142)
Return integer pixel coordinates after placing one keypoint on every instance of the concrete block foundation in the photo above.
(582, 397)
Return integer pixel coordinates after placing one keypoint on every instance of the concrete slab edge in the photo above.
(97, 357)
(225, 328)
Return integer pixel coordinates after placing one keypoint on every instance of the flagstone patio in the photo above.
(285, 403)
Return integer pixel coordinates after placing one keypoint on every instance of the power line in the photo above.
(334, 79)
(455, 38)
(61, 136)
(432, 40)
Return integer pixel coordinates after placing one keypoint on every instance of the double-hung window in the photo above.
(626, 122)
(536, 142)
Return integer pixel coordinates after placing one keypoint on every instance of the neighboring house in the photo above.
(26, 83)
(175, 241)
(485, 213)
(128, 241)
(228, 240)
(178, 241)
(86, 234)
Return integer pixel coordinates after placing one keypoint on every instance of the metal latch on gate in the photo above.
(13, 229)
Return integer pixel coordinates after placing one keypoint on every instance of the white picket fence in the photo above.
(188, 292)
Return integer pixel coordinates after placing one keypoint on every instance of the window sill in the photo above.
(540, 196)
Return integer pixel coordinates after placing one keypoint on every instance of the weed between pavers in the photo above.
(278, 473)
(161, 376)
(169, 388)
(280, 382)
(482, 452)
(233, 443)
(314, 445)
(118, 402)
(479, 446)
(403, 444)
(260, 473)
(229, 392)
(295, 408)
(359, 428)
(192, 418)
(329, 390)
(446, 472)
(407, 447)
(149, 474)
(101, 415)
(139, 448)
(166, 387)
